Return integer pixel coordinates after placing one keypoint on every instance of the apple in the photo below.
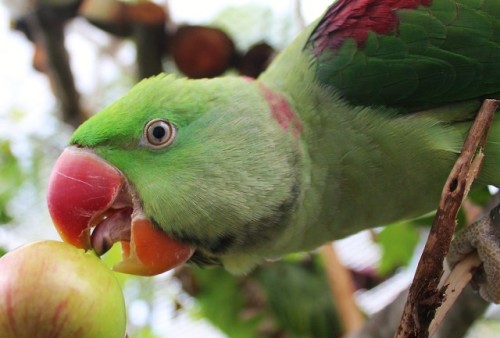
(52, 289)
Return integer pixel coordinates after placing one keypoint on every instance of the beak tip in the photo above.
(69, 235)
(81, 186)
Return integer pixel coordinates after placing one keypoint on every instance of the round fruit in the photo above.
(52, 289)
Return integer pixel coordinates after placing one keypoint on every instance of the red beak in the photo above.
(85, 192)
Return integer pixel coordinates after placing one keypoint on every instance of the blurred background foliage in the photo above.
(11, 178)
(79, 56)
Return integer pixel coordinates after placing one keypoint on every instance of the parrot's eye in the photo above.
(159, 133)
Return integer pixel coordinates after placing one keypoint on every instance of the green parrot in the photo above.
(356, 124)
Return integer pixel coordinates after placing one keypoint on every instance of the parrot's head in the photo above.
(177, 170)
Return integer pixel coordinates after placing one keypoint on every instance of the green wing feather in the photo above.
(444, 53)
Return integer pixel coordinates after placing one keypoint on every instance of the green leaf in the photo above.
(287, 298)
(145, 332)
(222, 303)
(11, 178)
(4, 214)
(398, 242)
(299, 298)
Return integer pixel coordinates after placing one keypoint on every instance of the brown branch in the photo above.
(342, 290)
(462, 273)
(425, 296)
(148, 22)
(48, 30)
(145, 22)
(468, 308)
(150, 41)
(455, 283)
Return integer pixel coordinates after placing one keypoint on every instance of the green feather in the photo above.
(446, 53)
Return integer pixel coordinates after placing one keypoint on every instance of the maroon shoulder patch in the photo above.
(281, 110)
(356, 18)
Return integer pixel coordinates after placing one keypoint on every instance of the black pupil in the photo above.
(159, 132)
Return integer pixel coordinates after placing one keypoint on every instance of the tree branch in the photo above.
(48, 30)
(468, 308)
(425, 296)
(148, 29)
(342, 290)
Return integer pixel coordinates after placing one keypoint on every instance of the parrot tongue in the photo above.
(86, 193)
(114, 227)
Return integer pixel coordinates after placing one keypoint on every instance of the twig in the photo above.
(148, 22)
(342, 290)
(456, 281)
(150, 41)
(466, 310)
(49, 31)
(425, 296)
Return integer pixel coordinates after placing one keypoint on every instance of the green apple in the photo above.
(52, 289)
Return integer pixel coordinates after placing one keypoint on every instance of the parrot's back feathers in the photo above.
(420, 54)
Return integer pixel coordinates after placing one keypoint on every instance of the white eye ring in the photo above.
(159, 133)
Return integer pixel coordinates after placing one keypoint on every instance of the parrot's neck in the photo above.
(362, 166)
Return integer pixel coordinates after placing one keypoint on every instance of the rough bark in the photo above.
(425, 295)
